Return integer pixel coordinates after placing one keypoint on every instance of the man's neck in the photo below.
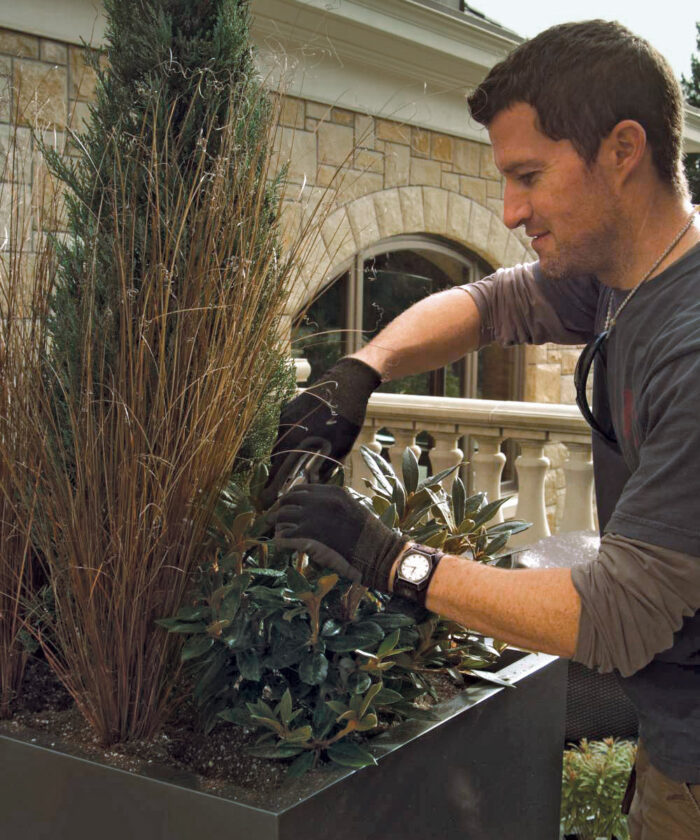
(650, 228)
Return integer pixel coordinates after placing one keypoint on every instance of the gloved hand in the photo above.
(338, 533)
(333, 408)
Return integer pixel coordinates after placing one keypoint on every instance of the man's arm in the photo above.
(537, 609)
(433, 332)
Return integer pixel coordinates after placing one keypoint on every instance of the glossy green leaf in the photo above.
(297, 582)
(489, 511)
(434, 480)
(496, 544)
(285, 708)
(349, 754)
(409, 468)
(195, 647)
(363, 635)
(389, 643)
(301, 765)
(389, 517)
(387, 696)
(359, 682)
(459, 499)
(377, 466)
(248, 663)
(487, 676)
(313, 668)
(174, 625)
(299, 736)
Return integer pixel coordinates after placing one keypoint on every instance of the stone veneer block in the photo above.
(420, 142)
(536, 354)
(450, 181)
(487, 168)
(364, 131)
(411, 199)
(458, 212)
(298, 148)
(335, 143)
(442, 148)
(363, 220)
(18, 44)
(5, 89)
(494, 189)
(543, 383)
(54, 52)
(479, 224)
(342, 116)
(473, 188)
(435, 209)
(498, 240)
(569, 357)
(369, 161)
(387, 207)
(83, 80)
(292, 112)
(79, 113)
(318, 111)
(425, 172)
(290, 223)
(397, 160)
(393, 131)
(48, 202)
(466, 156)
(338, 237)
(567, 392)
(41, 93)
(354, 185)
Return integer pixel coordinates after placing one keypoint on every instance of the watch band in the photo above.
(416, 591)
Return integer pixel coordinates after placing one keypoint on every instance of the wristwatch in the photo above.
(414, 572)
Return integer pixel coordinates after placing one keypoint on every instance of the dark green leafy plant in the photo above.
(594, 779)
(310, 660)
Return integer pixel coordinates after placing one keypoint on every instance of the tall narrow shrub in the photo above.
(165, 349)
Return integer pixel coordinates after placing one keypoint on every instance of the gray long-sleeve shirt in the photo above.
(641, 596)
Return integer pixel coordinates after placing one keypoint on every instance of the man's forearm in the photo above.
(537, 609)
(433, 332)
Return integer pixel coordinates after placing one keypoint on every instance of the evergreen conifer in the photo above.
(691, 91)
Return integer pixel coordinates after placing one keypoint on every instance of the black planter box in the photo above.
(489, 767)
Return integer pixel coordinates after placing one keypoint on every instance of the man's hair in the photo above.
(584, 78)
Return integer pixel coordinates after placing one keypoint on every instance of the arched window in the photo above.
(379, 284)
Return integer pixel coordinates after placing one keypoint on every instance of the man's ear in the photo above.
(623, 150)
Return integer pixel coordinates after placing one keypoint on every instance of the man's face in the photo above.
(566, 206)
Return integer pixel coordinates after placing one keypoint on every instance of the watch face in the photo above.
(415, 568)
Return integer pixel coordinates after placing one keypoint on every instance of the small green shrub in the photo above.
(309, 659)
(594, 779)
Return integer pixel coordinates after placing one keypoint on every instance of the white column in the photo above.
(487, 467)
(578, 501)
(445, 454)
(358, 469)
(532, 465)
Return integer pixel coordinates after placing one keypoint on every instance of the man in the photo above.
(586, 125)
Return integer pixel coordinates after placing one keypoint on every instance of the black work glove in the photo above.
(333, 408)
(338, 533)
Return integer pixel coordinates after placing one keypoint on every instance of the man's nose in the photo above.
(516, 206)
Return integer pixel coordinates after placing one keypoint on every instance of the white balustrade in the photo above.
(487, 423)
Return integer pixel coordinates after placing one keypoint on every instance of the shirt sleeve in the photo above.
(634, 598)
(519, 305)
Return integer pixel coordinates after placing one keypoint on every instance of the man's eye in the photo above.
(527, 178)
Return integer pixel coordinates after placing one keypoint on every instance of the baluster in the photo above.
(403, 437)
(357, 467)
(531, 465)
(487, 467)
(578, 501)
(445, 453)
